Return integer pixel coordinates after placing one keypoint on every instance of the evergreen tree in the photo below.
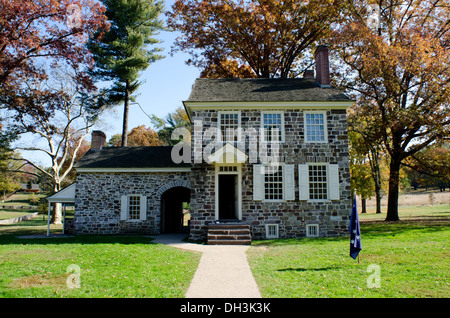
(123, 52)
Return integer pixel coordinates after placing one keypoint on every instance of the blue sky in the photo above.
(166, 83)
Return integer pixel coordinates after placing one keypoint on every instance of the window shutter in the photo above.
(258, 182)
(123, 207)
(288, 182)
(143, 214)
(333, 183)
(303, 182)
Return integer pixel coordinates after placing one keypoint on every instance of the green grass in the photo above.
(12, 213)
(412, 257)
(413, 211)
(110, 266)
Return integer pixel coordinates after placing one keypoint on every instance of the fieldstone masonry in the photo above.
(98, 200)
(291, 216)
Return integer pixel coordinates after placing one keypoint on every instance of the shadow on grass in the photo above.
(36, 229)
(369, 230)
(306, 269)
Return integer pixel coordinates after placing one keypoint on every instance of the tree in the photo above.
(432, 166)
(250, 38)
(62, 133)
(400, 74)
(362, 181)
(138, 136)
(177, 119)
(122, 53)
(36, 35)
(8, 182)
(365, 148)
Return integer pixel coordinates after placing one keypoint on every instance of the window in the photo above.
(312, 230)
(272, 231)
(317, 182)
(315, 127)
(134, 207)
(272, 122)
(273, 183)
(229, 122)
(228, 168)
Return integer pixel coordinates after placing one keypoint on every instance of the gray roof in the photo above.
(129, 157)
(262, 90)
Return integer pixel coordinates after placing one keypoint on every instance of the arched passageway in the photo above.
(173, 220)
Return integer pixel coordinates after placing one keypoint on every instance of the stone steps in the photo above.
(229, 234)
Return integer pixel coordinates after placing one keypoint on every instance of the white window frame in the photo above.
(280, 169)
(277, 231)
(305, 126)
(219, 125)
(332, 173)
(288, 182)
(282, 134)
(125, 207)
(327, 182)
(308, 230)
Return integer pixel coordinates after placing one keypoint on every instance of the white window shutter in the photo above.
(123, 207)
(143, 214)
(333, 183)
(289, 182)
(303, 182)
(258, 182)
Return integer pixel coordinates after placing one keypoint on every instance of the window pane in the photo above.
(318, 182)
(272, 122)
(273, 183)
(134, 207)
(315, 127)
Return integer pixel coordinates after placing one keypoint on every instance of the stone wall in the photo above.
(98, 200)
(292, 216)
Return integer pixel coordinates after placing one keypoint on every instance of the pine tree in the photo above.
(123, 52)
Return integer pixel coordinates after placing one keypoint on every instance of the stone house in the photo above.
(267, 158)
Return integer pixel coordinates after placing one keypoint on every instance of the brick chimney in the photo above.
(322, 66)
(98, 140)
(308, 74)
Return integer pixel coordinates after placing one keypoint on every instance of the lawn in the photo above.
(410, 258)
(107, 266)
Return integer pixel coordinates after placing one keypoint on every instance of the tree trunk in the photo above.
(57, 207)
(57, 213)
(363, 205)
(125, 114)
(394, 176)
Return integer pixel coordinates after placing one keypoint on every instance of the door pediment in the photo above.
(228, 154)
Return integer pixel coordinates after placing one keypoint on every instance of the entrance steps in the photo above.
(229, 234)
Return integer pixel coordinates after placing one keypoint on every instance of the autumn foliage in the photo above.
(399, 73)
(35, 36)
(250, 38)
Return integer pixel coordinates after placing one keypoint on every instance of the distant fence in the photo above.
(19, 218)
(18, 207)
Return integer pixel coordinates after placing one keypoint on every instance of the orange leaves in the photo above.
(264, 36)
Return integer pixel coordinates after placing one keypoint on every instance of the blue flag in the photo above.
(355, 233)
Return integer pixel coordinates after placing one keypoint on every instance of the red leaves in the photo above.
(264, 36)
(34, 32)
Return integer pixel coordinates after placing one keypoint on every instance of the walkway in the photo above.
(223, 271)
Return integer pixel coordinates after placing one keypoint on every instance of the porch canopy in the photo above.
(65, 196)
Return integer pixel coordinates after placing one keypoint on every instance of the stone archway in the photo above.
(172, 196)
